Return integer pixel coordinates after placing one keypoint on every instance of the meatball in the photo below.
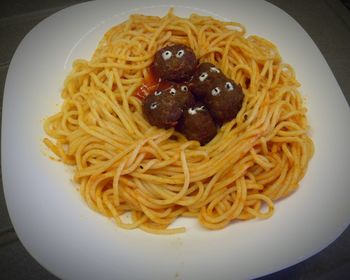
(161, 109)
(182, 95)
(203, 78)
(224, 100)
(197, 124)
(174, 63)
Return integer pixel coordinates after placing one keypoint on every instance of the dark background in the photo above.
(328, 24)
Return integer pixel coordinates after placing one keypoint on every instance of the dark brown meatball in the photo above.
(182, 95)
(224, 100)
(174, 63)
(197, 124)
(161, 109)
(203, 79)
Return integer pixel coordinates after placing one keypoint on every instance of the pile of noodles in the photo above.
(122, 164)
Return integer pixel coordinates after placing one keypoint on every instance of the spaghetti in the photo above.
(125, 165)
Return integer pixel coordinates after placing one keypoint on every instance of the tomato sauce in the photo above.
(150, 84)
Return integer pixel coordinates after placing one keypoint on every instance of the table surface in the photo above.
(328, 24)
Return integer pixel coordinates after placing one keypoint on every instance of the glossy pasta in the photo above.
(124, 165)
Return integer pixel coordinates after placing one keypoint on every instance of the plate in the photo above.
(73, 242)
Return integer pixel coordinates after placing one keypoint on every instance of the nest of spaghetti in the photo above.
(146, 177)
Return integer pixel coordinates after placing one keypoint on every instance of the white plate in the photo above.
(73, 242)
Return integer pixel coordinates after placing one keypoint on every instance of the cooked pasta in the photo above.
(123, 165)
